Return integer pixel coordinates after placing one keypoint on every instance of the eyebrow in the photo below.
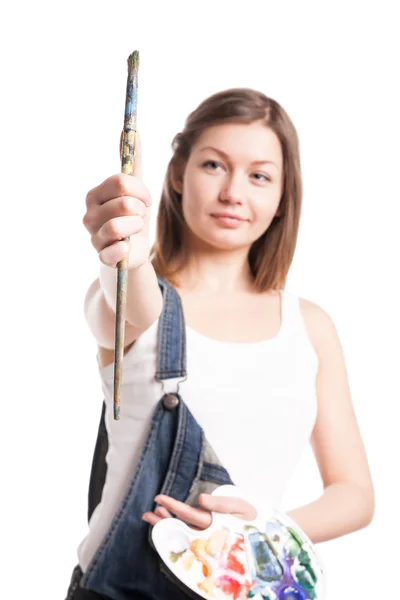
(255, 162)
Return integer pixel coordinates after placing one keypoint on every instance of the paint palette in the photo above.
(234, 559)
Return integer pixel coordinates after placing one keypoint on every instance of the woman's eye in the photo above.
(261, 177)
(212, 164)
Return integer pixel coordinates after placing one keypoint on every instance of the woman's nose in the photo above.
(232, 191)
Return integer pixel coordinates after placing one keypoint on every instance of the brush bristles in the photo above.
(133, 61)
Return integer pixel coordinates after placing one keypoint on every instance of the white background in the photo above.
(333, 67)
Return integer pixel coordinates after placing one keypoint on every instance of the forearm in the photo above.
(144, 298)
(342, 508)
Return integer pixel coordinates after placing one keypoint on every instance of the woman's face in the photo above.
(232, 184)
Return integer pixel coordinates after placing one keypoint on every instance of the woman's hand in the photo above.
(200, 518)
(117, 212)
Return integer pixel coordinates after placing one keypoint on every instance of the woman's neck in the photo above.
(217, 272)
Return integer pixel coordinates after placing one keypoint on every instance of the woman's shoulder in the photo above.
(319, 324)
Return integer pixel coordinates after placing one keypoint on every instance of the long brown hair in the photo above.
(271, 255)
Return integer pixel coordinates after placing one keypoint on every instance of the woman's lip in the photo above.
(227, 216)
(228, 222)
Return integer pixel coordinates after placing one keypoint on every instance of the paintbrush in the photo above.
(127, 165)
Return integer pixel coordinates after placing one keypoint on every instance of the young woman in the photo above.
(211, 329)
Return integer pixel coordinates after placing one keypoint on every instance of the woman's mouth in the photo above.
(228, 220)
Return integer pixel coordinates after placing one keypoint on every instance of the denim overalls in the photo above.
(176, 460)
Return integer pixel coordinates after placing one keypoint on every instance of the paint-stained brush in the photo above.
(127, 165)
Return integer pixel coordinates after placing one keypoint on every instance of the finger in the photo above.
(151, 518)
(116, 230)
(117, 186)
(113, 254)
(163, 512)
(97, 215)
(226, 504)
(193, 516)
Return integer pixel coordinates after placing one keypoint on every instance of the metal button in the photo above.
(170, 401)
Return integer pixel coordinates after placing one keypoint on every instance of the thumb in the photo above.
(228, 504)
(137, 160)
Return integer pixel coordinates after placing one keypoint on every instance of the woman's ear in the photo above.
(176, 176)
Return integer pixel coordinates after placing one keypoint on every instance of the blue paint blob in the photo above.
(292, 593)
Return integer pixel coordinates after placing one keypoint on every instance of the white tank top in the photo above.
(255, 401)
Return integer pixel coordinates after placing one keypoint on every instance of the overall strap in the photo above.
(171, 362)
(171, 356)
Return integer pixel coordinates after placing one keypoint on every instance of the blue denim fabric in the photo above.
(171, 357)
(176, 460)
